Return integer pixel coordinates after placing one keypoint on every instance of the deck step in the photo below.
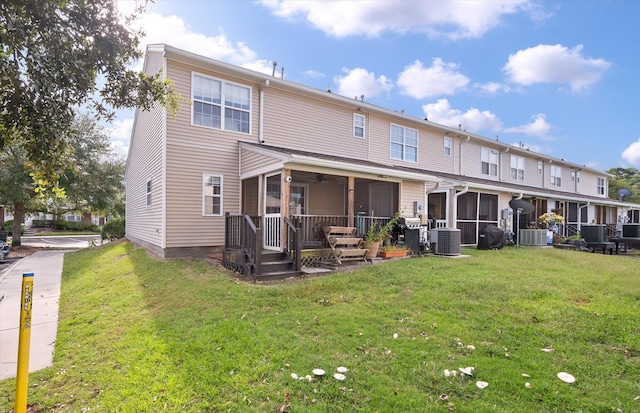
(277, 275)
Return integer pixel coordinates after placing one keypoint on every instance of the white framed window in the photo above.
(447, 146)
(601, 186)
(211, 195)
(540, 168)
(556, 176)
(404, 143)
(211, 97)
(358, 125)
(149, 187)
(517, 168)
(575, 176)
(489, 158)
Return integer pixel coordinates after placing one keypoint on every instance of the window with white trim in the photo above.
(404, 143)
(447, 146)
(212, 96)
(517, 168)
(540, 167)
(358, 125)
(211, 195)
(149, 193)
(601, 186)
(489, 158)
(556, 176)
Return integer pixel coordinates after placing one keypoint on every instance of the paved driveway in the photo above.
(64, 241)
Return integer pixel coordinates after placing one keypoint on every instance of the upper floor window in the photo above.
(575, 176)
(211, 97)
(211, 194)
(601, 186)
(517, 168)
(358, 125)
(404, 143)
(447, 146)
(540, 167)
(149, 193)
(556, 176)
(489, 158)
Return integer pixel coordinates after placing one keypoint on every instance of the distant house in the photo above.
(249, 144)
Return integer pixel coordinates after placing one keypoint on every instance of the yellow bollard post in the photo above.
(24, 343)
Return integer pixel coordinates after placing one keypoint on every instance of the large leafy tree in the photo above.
(92, 183)
(57, 56)
(625, 178)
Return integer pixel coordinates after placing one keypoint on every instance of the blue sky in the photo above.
(560, 78)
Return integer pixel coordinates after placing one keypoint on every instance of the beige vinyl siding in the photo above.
(380, 147)
(145, 162)
(471, 160)
(431, 152)
(310, 124)
(251, 161)
(589, 184)
(410, 191)
(191, 152)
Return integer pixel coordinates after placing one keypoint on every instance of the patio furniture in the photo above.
(344, 244)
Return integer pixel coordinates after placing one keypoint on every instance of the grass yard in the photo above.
(137, 334)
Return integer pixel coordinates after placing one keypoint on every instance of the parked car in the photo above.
(4, 250)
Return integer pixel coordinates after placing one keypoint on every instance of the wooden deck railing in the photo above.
(240, 233)
(294, 243)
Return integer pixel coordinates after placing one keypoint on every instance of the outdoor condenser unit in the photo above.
(631, 230)
(593, 233)
(446, 241)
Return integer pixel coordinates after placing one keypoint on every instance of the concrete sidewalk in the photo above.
(47, 269)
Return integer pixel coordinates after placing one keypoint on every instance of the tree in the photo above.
(92, 182)
(625, 178)
(52, 53)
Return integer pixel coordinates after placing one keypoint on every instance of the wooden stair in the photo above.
(276, 266)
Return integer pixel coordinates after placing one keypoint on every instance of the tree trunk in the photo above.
(18, 216)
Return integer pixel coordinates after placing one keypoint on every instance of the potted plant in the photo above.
(378, 233)
(392, 251)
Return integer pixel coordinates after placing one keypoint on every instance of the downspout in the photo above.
(261, 115)
(426, 201)
(455, 204)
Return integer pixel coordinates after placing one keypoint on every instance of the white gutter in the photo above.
(455, 204)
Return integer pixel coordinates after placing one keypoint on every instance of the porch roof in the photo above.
(299, 157)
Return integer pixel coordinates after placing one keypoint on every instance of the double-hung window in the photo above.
(517, 168)
(404, 143)
(489, 158)
(212, 97)
(556, 176)
(540, 167)
(601, 186)
(211, 195)
(358, 125)
(447, 146)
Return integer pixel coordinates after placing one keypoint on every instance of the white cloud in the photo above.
(440, 78)
(358, 81)
(555, 64)
(492, 88)
(120, 133)
(539, 127)
(313, 74)
(472, 120)
(173, 30)
(632, 154)
(448, 19)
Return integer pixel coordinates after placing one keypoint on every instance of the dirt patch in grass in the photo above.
(22, 251)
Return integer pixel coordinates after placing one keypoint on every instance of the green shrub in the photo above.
(42, 223)
(7, 226)
(62, 225)
(113, 229)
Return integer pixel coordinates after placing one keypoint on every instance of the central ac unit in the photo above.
(446, 241)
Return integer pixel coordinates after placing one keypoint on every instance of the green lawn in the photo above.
(137, 334)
